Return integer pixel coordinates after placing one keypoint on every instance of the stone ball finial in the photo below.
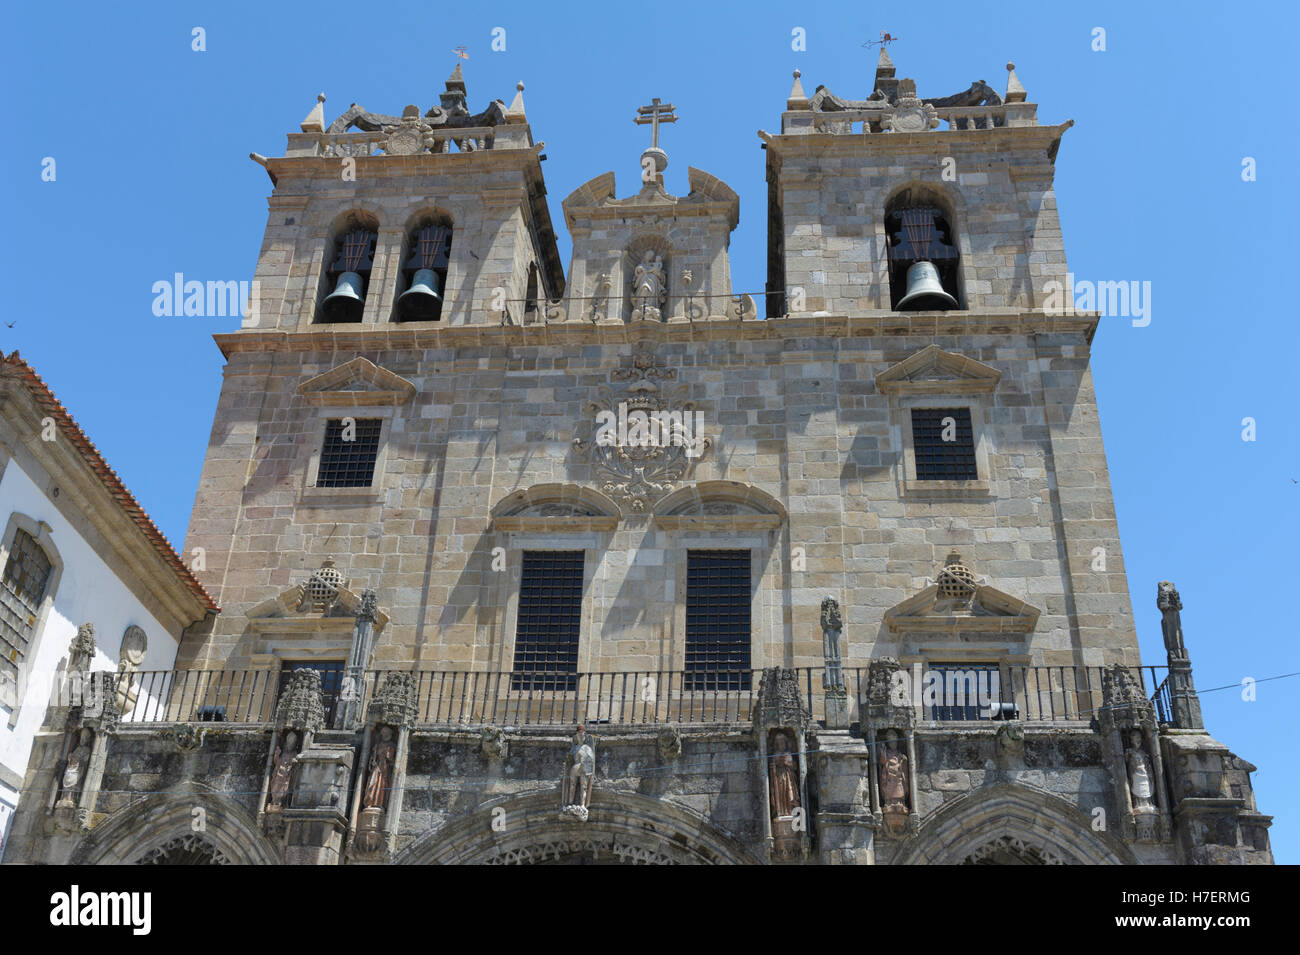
(1010, 66)
(520, 86)
(797, 74)
(659, 157)
(320, 97)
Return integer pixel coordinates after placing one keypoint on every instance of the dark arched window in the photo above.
(348, 276)
(425, 271)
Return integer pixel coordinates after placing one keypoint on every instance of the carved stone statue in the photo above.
(832, 623)
(380, 780)
(894, 779)
(1171, 624)
(282, 771)
(74, 771)
(1140, 776)
(579, 770)
(648, 287)
(783, 777)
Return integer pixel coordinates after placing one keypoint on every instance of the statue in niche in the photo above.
(579, 770)
(74, 770)
(282, 771)
(783, 777)
(380, 780)
(1140, 776)
(894, 781)
(648, 287)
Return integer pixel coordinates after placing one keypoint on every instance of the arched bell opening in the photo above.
(923, 248)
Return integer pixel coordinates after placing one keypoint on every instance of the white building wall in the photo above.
(88, 591)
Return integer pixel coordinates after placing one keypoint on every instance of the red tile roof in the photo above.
(14, 367)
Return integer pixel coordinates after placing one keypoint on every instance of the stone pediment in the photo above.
(933, 371)
(719, 506)
(321, 603)
(708, 195)
(984, 610)
(357, 382)
(555, 507)
(957, 602)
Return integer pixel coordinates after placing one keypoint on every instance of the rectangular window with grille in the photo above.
(27, 571)
(549, 621)
(331, 681)
(944, 444)
(718, 592)
(347, 459)
(961, 691)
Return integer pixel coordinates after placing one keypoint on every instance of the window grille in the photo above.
(718, 592)
(549, 621)
(962, 691)
(938, 459)
(349, 463)
(25, 577)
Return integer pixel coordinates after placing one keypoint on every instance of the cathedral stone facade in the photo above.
(627, 565)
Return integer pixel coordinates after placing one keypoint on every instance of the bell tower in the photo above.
(445, 205)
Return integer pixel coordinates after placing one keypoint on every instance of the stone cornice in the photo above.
(882, 324)
(1001, 139)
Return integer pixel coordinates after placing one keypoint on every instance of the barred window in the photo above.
(944, 444)
(549, 621)
(349, 463)
(331, 681)
(962, 691)
(717, 620)
(23, 588)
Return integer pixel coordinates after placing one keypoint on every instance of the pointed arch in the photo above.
(161, 823)
(1031, 824)
(625, 827)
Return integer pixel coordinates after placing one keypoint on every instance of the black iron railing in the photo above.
(943, 693)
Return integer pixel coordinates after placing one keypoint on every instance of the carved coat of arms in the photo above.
(641, 470)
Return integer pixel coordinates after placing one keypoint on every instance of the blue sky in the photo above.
(150, 141)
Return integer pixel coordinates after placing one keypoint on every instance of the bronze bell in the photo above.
(422, 302)
(346, 302)
(924, 290)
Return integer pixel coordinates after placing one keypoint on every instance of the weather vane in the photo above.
(884, 41)
(461, 52)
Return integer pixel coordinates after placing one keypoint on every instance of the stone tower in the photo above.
(660, 578)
